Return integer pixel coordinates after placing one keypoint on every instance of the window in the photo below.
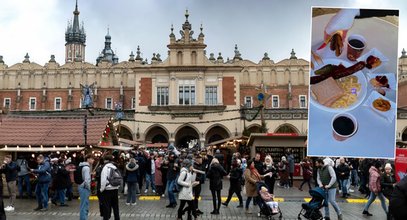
(133, 103)
(275, 101)
(7, 103)
(211, 95)
(186, 92)
(162, 95)
(303, 101)
(248, 102)
(32, 104)
(57, 103)
(109, 103)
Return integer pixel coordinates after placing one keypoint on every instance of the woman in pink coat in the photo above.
(375, 188)
(158, 175)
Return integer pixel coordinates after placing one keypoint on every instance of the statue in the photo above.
(87, 95)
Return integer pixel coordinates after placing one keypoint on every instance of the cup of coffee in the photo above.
(344, 126)
(356, 45)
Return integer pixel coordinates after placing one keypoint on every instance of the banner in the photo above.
(401, 163)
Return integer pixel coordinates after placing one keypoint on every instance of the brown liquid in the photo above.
(343, 125)
(356, 43)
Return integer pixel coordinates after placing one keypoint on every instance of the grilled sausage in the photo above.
(339, 73)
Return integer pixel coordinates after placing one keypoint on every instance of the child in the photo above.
(269, 199)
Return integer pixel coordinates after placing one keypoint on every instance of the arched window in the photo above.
(179, 58)
(193, 58)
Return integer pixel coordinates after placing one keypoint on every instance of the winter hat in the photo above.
(388, 165)
(217, 151)
(186, 163)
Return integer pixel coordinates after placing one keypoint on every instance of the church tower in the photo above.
(75, 38)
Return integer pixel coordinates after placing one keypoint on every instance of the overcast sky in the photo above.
(256, 26)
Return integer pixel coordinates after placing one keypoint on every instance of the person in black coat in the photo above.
(220, 157)
(235, 177)
(398, 200)
(343, 173)
(61, 182)
(270, 180)
(215, 175)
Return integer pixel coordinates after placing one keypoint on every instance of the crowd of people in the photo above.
(171, 173)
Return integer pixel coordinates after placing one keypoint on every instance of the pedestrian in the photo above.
(398, 200)
(343, 173)
(291, 161)
(185, 195)
(235, 186)
(220, 157)
(10, 169)
(354, 176)
(215, 175)
(85, 188)
(70, 167)
(98, 175)
(61, 183)
(150, 173)
(388, 181)
(252, 176)
(43, 173)
(110, 191)
(375, 188)
(326, 179)
(269, 167)
(159, 185)
(306, 173)
(199, 170)
(23, 177)
(2, 212)
(258, 164)
(172, 173)
(283, 170)
(364, 176)
(141, 161)
(131, 170)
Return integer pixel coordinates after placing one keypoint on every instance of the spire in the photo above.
(212, 57)
(76, 19)
(293, 54)
(186, 25)
(237, 56)
(403, 54)
(266, 56)
(1, 60)
(52, 60)
(75, 35)
(26, 58)
(138, 57)
(131, 59)
(172, 35)
(201, 34)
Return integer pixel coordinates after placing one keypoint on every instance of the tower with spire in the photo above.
(186, 50)
(107, 53)
(75, 38)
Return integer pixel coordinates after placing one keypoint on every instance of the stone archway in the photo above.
(255, 128)
(156, 134)
(184, 135)
(125, 132)
(216, 133)
(287, 128)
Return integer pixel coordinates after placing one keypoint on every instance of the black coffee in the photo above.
(343, 125)
(356, 43)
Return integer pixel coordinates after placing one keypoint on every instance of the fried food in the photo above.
(373, 62)
(381, 105)
(339, 73)
(351, 87)
(380, 81)
(337, 44)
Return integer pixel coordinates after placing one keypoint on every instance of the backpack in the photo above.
(115, 177)
(77, 175)
(178, 187)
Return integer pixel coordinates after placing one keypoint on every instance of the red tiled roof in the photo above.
(49, 131)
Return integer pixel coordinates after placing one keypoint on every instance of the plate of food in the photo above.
(381, 105)
(383, 83)
(337, 85)
(374, 60)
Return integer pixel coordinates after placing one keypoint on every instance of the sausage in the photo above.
(339, 73)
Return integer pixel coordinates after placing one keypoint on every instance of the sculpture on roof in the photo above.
(87, 95)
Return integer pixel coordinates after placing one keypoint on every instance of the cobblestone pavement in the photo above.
(290, 205)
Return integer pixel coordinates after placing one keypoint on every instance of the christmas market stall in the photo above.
(277, 145)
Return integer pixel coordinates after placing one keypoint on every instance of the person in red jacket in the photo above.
(375, 188)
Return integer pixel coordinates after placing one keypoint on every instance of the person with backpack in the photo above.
(186, 181)
(61, 183)
(10, 169)
(110, 181)
(82, 177)
(132, 171)
(43, 173)
(23, 177)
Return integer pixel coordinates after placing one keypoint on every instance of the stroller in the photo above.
(311, 210)
(265, 210)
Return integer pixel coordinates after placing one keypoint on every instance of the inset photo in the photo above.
(353, 82)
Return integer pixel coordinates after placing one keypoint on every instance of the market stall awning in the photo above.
(226, 140)
(50, 131)
(157, 145)
(40, 149)
(129, 142)
(121, 148)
